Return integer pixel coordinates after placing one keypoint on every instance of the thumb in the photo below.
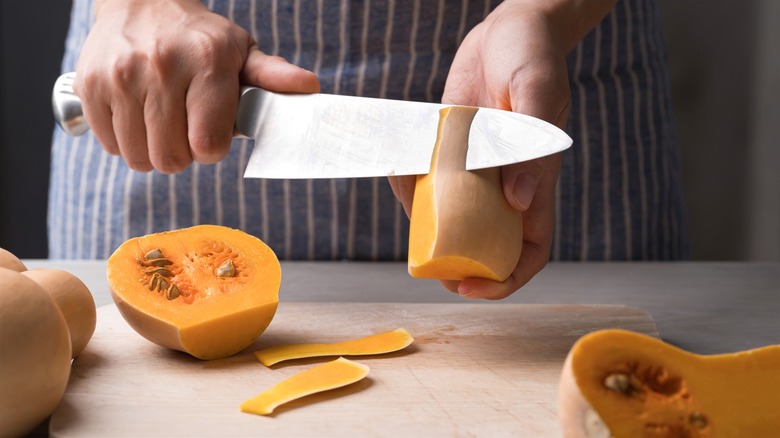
(520, 182)
(274, 73)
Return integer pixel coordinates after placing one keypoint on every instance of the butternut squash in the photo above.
(10, 261)
(374, 344)
(74, 300)
(323, 377)
(208, 290)
(623, 384)
(35, 354)
(461, 224)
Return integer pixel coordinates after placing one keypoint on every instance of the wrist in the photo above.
(112, 5)
(570, 20)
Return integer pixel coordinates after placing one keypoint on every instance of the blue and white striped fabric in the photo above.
(619, 195)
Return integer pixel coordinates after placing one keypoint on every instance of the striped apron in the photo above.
(619, 195)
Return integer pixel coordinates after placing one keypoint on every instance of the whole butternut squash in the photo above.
(461, 224)
(74, 300)
(208, 290)
(35, 354)
(617, 383)
(10, 261)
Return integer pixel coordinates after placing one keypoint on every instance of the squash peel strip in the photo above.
(380, 343)
(323, 377)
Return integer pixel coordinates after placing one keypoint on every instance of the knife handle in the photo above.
(67, 106)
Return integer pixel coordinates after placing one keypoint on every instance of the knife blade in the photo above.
(310, 136)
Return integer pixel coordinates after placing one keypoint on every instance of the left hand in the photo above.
(514, 60)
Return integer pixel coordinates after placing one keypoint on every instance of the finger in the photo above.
(166, 130)
(403, 189)
(275, 74)
(130, 130)
(532, 260)
(520, 182)
(541, 89)
(450, 285)
(211, 104)
(97, 113)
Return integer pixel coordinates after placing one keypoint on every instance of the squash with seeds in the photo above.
(208, 290)
(617, 383)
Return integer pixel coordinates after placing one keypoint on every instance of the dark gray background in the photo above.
(725, 77)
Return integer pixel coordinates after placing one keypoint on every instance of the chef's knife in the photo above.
(331, 136)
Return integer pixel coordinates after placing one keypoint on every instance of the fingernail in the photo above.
(466, 292)
(524, 190)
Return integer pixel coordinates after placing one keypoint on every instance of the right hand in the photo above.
(159, 81)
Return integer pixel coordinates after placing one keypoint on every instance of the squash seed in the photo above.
(173, 292)
(623, 383)
(163, 285)
(157, 262)
(160, 271)
(154, 254)
(155, 281)
(226, 269)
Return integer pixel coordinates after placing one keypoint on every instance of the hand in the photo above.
(516, 60)
(159, 81)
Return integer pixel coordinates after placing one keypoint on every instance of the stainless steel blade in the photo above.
(332, 136)
(498, 138)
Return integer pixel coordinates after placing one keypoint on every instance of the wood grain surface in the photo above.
(473, 370)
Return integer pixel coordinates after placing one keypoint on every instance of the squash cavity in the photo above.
(207, 290)
(617, 383)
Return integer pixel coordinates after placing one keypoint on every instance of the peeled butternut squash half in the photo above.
(208, 290)
(617, 383)
(461, 224)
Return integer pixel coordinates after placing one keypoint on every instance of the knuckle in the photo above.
(123, 73)
(216, 48)
(163, 56)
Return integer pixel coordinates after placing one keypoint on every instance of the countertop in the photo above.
(704, 307)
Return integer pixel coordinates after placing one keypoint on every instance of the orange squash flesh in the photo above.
(323, 377)
(624, 384)
(374, 344)
(214, 316)
(461, 224)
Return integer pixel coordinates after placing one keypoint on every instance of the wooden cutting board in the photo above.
(473, 370)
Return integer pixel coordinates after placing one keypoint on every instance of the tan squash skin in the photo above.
(74, 301)
(667, 392)
(35, 354)
(214, 317)
(461, 225)
(10, 261)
